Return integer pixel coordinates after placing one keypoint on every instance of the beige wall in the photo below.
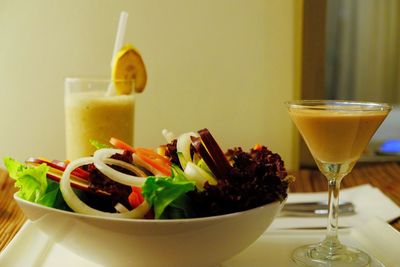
(222, 64)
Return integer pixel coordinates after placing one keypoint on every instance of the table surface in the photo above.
(385, 176)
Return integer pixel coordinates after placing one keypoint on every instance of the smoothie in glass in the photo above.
(91, 115)
(335, 136)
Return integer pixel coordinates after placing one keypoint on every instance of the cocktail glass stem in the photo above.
(330, 247)
(331, 242)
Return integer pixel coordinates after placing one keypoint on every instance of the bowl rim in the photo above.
(148, 221)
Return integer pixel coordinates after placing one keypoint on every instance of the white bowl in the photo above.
(196, 242)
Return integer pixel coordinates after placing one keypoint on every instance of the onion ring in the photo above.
(79, 206)
(183, 146)
(99, 158)
(168, 135)
(126, 165)
(198, 175)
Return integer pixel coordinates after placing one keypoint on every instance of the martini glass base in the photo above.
(320, 255)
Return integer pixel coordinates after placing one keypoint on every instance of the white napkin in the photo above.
(369, 202)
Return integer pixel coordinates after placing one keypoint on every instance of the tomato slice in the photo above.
(136, 197)
(155, 160)
(257, 147)
(121, 144)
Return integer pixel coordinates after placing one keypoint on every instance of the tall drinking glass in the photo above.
(336, 132)
(91, 114)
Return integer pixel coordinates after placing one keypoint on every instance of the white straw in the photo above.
(119, 40)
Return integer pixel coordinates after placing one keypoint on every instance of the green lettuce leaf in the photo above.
(33, 184)
(97, 144)
(31, 181)
(179, 208)
(167, 195)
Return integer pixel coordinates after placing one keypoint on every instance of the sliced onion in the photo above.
(79, 206)
(168, 135)
(183, 146)
(101, 156)
(127, 166)
(198, 175)
(120, 208)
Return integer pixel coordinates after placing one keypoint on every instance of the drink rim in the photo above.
(338, 105)
(98, 84)
(92, 79)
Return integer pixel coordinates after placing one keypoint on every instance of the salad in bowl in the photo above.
(185, 203)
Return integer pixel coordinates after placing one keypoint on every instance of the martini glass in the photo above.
(336, 132)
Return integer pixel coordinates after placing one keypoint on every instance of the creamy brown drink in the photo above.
(335, 136)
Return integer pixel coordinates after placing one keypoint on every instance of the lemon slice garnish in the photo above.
(128, 69)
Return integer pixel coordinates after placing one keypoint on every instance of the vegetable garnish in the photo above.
(136, 198)
(157, 161)
(166, 193)
(33, 185)
(32, 182)
(121, 144)
(100, 159)
(78, 205)
(97, 144)
(188, 177)
(183, 144)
